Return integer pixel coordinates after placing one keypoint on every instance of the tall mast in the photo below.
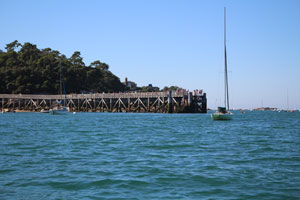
(287, 99)
(62, 84)
(226, 99)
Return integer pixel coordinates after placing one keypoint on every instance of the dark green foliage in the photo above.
(134, 87)
(171, 88)
(29, 70)
(149, 88)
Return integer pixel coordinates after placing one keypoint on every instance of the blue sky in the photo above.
(174, 42)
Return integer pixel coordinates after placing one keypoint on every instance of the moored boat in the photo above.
(59, 111)
(223, 112)
(44, 111)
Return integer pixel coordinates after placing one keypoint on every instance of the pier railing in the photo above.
(95, 95)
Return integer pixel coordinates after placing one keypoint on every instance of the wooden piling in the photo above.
(190, 98)
(170, 102)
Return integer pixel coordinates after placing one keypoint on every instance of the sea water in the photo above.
(149, 156)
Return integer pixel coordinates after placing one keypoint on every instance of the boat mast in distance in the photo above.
(226, 99)
(223, 112)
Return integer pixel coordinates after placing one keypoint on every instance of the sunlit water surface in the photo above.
(149, 156)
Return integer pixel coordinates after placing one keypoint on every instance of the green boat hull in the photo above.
(221, 116)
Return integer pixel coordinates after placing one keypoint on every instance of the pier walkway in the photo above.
(160, 102)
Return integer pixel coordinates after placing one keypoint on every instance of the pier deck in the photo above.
(160, 102)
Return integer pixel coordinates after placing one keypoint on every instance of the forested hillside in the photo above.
(28, 70)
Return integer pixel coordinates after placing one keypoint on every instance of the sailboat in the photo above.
(223, 112)
(287, 102)
(60, 109)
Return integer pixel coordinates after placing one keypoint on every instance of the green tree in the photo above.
(27, 69)
(13, 45)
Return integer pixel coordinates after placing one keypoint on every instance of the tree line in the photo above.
(28, 70)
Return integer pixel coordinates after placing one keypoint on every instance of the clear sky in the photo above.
(174, 42)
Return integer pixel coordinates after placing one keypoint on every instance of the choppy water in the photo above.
(149, 156)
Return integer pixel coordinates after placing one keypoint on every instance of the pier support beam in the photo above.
(190, 98)
(170, 102)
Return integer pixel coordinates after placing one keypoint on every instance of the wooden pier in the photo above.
(157, 102)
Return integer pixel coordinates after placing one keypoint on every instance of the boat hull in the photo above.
(221, 116)
(61, 111)
(44, 111)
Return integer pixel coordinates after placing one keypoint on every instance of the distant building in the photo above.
(127, 83)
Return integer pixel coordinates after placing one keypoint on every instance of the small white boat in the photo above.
(44, 111)
(59, 111)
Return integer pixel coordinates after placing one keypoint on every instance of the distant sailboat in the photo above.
(223, 112)
(287, 102)
(60, 109)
